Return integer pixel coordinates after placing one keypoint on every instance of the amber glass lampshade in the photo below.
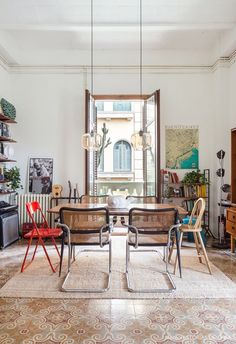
(91, 141)
(141, 140)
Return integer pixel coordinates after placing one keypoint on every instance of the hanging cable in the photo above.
(91, 50)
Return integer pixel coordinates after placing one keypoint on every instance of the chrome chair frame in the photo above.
(67, 231)
(174, 229)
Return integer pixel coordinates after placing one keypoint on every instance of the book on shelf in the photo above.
(170, 177)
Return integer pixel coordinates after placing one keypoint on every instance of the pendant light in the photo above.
(92, 141)
(141, 140)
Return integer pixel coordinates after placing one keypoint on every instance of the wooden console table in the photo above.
(231, 226)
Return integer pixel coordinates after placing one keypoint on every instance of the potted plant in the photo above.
(194, 177)
(12, 175)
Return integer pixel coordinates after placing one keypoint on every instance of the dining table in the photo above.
(118, 211)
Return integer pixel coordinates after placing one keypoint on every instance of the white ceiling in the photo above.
(31, 30)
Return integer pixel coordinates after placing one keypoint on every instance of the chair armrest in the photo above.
(174, 227)
(178, 225)
(136, 233)
(65, 229)
(101, 231)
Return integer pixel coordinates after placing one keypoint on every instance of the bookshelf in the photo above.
(175, 191)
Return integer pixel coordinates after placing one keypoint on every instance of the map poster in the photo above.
(182, 147)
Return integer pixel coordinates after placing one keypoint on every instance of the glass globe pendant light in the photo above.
(142, 139)
(91, 141)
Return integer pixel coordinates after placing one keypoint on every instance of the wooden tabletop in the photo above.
(116, 211)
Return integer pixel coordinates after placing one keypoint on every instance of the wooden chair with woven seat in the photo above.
(195, 226)
(151, 228)
(84, 227)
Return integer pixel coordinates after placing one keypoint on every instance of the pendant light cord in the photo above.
(141, 49)
(91, 47)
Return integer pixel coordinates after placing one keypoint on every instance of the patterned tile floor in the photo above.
(168, 321)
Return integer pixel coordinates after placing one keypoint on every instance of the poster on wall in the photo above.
(182, 145)
(40, 175)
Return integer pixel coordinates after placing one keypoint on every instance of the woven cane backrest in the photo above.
(142, 199)
(153, 221)
(85, 220)
(197, 213)
(102, 199)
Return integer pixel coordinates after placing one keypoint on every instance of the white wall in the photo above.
(232, 96)
(50, 115)
(5, 91)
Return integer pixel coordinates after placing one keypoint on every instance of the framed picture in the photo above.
(40, 175)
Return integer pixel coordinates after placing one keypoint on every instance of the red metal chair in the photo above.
(39, 233)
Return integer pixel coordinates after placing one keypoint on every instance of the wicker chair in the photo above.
(101, 199)
(152, 228)
(84, 227)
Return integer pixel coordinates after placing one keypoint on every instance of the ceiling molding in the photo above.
(116, 69)
(120, 27)
(4, 64)
(223, 62)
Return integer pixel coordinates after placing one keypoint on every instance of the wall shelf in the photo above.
(6, 119)
(7, 160)
(7, 139)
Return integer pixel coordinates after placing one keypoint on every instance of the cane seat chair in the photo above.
(195, 226)
(84, 227)
(142, 199)
(100, 199)
(151, 228)
(138, 200)
(40, 233)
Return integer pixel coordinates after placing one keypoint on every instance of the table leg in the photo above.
(232, 243)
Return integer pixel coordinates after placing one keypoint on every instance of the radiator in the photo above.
(21, 200)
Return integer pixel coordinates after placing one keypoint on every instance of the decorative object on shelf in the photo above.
(182, 144)
(12, 175)
(40, 175)
(56, 190)
(8, 109)
(6, 150)
(4, 130)
(221, 242)
(142, 139)
(91, 141)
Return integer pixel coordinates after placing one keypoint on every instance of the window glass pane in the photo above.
(122, 156)
(121, 106)
(100, 106)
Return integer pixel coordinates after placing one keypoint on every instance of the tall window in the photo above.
(122, 156)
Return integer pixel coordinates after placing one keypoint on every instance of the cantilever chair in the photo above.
(100, 199)
(152, 228)
(39, 233)
(142, 199)
(84, 227)
(195, 226)
(139, 200)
